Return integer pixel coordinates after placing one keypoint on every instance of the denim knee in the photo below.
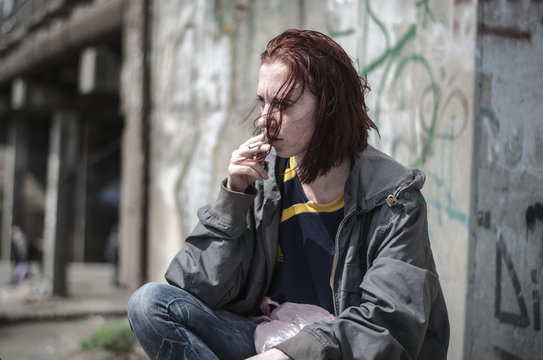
(141, 305)
(151, 302)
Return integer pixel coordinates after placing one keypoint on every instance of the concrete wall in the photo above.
(204, 75)
(419, 57)
(507, 253)
(420, 60)
(132, 208)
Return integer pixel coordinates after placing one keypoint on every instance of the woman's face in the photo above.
(298, 123)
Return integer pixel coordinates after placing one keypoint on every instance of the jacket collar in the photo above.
(374, 176)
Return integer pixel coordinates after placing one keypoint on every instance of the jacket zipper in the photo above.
(334, 267)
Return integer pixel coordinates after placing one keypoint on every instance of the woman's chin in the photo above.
(280, 153)
(286, 153)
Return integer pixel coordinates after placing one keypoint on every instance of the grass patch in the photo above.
(114, 336)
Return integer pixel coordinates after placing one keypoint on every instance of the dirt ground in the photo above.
(53, 328)
(45, 340)
(57, 340)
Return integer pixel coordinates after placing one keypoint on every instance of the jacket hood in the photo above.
(374, 176)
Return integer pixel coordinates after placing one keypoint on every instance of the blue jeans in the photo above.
(170, 323)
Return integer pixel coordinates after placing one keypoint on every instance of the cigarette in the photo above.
(257, 144)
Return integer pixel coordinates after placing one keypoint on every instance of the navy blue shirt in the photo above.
(306, 247)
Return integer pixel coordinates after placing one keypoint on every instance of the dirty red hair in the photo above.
(315, 61)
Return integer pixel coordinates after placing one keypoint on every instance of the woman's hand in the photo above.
(246, 165)
(272, 354)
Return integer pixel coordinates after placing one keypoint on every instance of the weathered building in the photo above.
(456, 89)
(59, 81)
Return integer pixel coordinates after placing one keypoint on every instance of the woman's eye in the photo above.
(285, 104)
(260, 102)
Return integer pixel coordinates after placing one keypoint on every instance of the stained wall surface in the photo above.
(504, 318)
(419, 57)
(204, 75)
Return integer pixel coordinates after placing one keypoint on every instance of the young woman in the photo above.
(309, 214)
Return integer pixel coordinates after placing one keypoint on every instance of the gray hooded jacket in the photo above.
(387, 297)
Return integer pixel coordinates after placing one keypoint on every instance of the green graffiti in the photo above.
(427, 11)
(388, 56)
(391, 53)
(450, 207)
(335, 33)
(453, 213)
(490, 116)
(394, 58)
(417, 58)
(379, 24)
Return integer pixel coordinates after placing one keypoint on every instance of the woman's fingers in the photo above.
(252, 173)
(247, 167)
(247, 163)
(254, 146)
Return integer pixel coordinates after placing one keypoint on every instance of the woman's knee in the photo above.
(144, 303)
(152, 301)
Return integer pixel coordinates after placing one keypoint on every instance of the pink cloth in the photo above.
(284, 321)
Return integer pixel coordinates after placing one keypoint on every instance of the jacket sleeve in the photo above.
(214, 263)
(398, 292)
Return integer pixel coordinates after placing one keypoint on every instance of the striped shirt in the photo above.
(306, 246)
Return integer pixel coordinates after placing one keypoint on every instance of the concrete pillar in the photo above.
(80, 198)
(506, 267)
(133, 213)
(58, 225)
(99, 71)
(31, 95)
(3, 105)
(8, 188)
(16, 158)
(19, 91)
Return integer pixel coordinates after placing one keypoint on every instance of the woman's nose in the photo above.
(262, 121)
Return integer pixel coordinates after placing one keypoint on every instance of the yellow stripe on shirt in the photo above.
(311, 206)
(291, 171)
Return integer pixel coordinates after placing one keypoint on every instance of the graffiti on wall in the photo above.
(516, 234)
(535, 213)
(443, 108)
(510, 273)
(443, 118)
(527, 311)
(417, 56)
